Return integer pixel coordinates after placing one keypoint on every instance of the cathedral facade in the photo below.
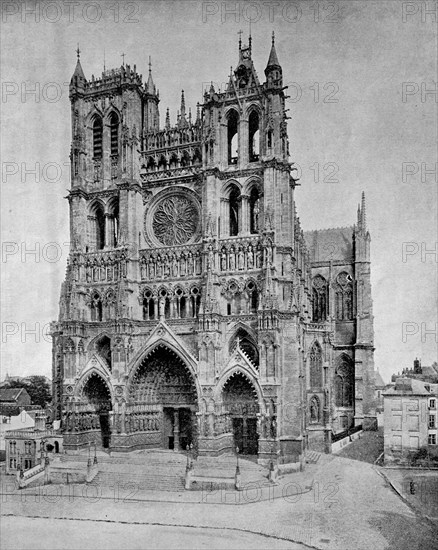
(195, 311)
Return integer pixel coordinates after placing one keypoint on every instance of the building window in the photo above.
(113, 222)
(103, 348)
(432, 404)
(344, 385)
(254, 211)
(344, 297)
(432, 423)
(233, 141)
(253, 296)
(98, 226)
(234, 202)
(254, 137)
(431, 439)
(28, 447)
(320, 299)
(315, 359)
(148, 306)
(114, 134)
(27, 463)
(96, 308)
(97, 138)
(13, 447)
(13, 463)
(246, 344)
(195, 301)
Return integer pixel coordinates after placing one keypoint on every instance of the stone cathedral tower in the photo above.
(195, 310)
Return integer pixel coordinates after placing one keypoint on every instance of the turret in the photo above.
(78, 80)
(273, 71)
(151, 100)
(182, 120)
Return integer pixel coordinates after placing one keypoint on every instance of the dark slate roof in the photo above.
(330, 244)
(9, 394)
(408, 386)
(429, 371)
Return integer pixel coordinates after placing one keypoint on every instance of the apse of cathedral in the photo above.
(195, 312)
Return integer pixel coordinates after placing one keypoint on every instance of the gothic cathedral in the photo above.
(195, 311)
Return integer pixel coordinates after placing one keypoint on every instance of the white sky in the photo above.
(358, 52)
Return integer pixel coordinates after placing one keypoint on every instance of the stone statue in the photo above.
(223, 261)
(241, 259)
(232, 261)
(250, 257)
(256, 213)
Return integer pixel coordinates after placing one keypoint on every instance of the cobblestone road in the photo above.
(349, 507)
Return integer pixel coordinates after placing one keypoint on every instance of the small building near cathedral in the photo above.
(195, 310)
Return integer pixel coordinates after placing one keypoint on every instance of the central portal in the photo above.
(177, 428)
(163, 381)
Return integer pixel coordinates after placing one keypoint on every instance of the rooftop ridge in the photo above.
(330, 228)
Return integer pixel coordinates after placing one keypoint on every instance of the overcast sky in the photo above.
(361, 119)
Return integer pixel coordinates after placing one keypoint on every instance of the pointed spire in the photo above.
(78, 72)
(230, 86)
(273, 59)
(167, 123)
(250, 37)
(150, 86)
(183, 105)
(363, 214)
(198, 114)
(240, 39)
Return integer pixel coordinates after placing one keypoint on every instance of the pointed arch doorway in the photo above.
(97, 395)
(163, 382)
(240, 401)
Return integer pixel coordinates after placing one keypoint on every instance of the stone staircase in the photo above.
(155, 470)
(132, 481)
(145, 470)
(312, 457)
(225, 467)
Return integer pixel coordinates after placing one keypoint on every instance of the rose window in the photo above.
(175, 220)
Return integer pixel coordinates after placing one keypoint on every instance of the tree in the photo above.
(37, 387)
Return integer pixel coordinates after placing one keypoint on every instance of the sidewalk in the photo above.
(419, 488)
(350, 506)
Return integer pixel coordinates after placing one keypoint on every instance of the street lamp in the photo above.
(237, 461)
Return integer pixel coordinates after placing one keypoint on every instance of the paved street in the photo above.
(351, 506)
(48, 534)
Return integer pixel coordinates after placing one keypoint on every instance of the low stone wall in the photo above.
(67, 475)
(267, 451)
(216, 446)
(338, 445)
